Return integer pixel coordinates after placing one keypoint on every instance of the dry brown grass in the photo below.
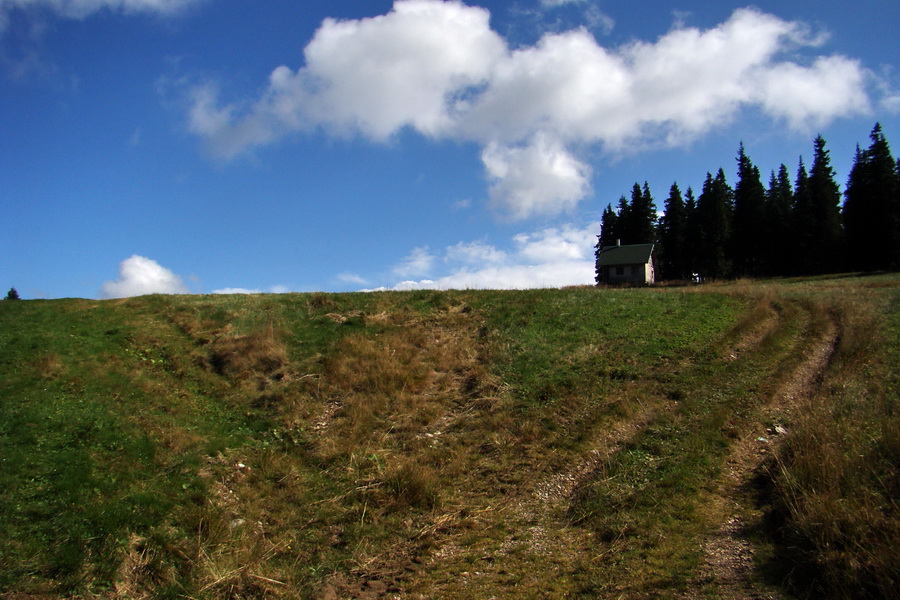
(383, 422)
(237, 536)
(394, 387)
(144, 569)
(260, 353)
(412, 483)
(836, 476)
(48, 366)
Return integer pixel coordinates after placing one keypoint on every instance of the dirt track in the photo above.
(729, 556)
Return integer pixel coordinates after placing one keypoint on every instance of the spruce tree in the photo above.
(638, 218)
(778, 234)
(608, 227)
(715, 208)
(692, 233)
(673, 263)
(801, 223)
(622, 227)
(825, 235)
(749, 218)
(12, 294)
(856, 213)
(871, 211)
(643, 216)
(606, 237)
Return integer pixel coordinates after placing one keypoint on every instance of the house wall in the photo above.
(639, 273)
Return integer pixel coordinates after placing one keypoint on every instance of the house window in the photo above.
(634, 270)
(620, 270)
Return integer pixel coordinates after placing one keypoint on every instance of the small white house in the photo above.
(632, 263)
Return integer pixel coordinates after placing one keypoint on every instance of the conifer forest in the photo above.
(789, 227)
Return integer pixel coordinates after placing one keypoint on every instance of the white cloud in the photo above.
(558, 245)
(137, 138)
(437, 67)
(409, 68)
(139, 275)
(557, 3)
(889, 88)
(237, 290)
(599, 20)
(807, 97)
(464, 204)
(540, 178)
(552, 257)
(275, 289)
(474, 253)
(891, 103)
(512, 277)
(352, 278)
(417, 264)
(402, 69)
(80, 9)
(593, 17)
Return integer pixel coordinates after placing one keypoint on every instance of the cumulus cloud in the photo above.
(540, 177)
(438, 68)
(409, 68)
(806, 96)
(139, 275)
(551, 257)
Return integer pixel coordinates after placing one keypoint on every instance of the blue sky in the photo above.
(197, 146)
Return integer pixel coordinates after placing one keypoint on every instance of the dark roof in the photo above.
(632, 254)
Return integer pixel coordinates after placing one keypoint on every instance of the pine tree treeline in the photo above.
(752, 230)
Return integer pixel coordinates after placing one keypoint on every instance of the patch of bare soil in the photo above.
(729, 557)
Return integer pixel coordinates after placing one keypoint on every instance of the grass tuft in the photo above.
(244, 356)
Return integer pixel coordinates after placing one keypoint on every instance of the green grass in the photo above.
(570, 342)
(653, 488)
(306, 444)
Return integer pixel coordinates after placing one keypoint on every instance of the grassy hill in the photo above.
(712, 441)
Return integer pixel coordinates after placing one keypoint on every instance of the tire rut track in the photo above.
(537, 516)
(728, 555)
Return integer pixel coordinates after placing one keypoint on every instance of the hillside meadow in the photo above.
(729, 440)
